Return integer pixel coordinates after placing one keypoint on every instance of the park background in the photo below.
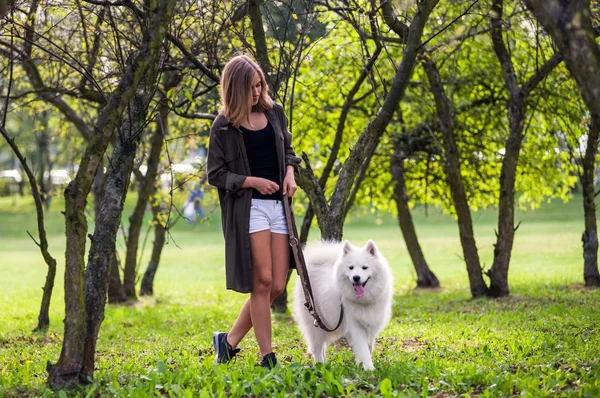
(461, 137)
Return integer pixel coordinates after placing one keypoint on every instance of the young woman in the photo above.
(251, 162)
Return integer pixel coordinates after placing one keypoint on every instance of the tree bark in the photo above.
(102, 248)
(570, 25)
(69, 370)
(146, 189)
(425, 277)
(589, 238)
(116, 292)
(44, 165)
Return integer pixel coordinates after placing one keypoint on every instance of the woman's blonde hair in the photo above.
(236, 89)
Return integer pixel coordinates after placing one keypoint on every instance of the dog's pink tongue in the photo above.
(359, 290)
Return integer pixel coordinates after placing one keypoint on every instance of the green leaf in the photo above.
(385, 387)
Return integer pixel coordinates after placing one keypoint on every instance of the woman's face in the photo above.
(256, 88)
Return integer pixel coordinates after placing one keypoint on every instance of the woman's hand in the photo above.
(262, 185)
(289, 182)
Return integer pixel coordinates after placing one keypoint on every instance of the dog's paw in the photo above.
(368, 366)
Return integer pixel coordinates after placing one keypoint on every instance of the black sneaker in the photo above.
(223, 350)
(269, 361)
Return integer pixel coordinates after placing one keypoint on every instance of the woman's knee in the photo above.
(263, 283)
(276, 289)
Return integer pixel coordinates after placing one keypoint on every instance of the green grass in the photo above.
(543, 340)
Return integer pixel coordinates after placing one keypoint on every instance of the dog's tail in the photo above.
(322, 253)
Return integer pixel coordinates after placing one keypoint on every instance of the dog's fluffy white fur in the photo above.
(360, 279)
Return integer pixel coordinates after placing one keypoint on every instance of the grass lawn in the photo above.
(543, 340)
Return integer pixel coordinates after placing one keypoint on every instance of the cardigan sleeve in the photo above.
(216, 164)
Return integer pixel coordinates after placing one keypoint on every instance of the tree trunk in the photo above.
(570, 25)
(160, 232)
(69, 370)
(306, 223)
(146, 189)
(43, 155)
(453, 174)
(44, 316)
(517, 95)
(590, 235)
(116, 292)
(506, 205)
(102, 249)
(425, 277)
(498, 273)
(98, 187)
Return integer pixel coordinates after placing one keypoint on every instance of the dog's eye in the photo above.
(365, 267)
(351, 267)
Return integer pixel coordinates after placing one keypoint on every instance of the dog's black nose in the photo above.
(356, 278)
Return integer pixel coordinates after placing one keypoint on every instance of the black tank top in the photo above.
(262, 157)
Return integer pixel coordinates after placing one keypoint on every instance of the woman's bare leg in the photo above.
(280, 255)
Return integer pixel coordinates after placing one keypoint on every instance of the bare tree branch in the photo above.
(392, 21)
(196, 115)
(179, 44)
(541, 74)
(508, 69)
(93, 54)
(43, 320)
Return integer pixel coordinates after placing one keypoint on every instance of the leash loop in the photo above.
(303, 271)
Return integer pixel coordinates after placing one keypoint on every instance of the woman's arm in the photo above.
(262, 185)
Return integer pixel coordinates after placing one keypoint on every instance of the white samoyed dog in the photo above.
(360, 279)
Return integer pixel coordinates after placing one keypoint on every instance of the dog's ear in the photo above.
(371, 248)
(347, 248)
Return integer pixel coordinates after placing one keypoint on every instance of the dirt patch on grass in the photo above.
(414, 344)
(34, 339)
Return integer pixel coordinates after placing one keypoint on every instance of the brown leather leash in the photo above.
(303, 271)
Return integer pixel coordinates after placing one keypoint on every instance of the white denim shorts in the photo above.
(267, 214)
